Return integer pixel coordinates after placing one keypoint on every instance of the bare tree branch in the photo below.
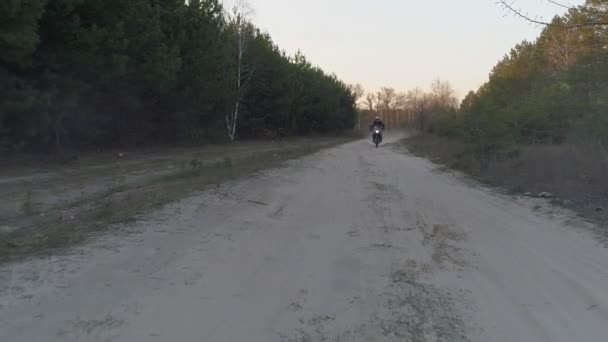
(539, 21)
(584, 8)
(559, 4)
(370, 101)
(357, 91)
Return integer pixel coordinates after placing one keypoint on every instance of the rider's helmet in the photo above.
(377, 118)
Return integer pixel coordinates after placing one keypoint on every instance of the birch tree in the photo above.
(243, 30)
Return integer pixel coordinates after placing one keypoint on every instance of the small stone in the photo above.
(545, 195)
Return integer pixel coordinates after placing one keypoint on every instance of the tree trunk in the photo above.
(232, 118)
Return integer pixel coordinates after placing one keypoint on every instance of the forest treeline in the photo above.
(92, 73)
(416, 107)
(550, 91)
(553, 90)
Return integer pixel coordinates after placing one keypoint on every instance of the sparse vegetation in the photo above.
(121, 201)
(573, 174)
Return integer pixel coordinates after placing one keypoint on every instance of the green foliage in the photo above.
(547, 91)
(83, 73)
(19, 30)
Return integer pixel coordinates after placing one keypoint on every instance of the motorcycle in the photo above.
(377, 136)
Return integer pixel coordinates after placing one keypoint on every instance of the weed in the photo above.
(195, 164)
(227, 162)
(27, 203)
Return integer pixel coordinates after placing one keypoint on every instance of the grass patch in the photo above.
(574, 174)
(122, 202)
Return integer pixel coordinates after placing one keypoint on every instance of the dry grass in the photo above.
(121, 201)
(453, 154)
(577, 175)
(568, 171)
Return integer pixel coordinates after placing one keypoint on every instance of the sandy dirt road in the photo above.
(350, 244)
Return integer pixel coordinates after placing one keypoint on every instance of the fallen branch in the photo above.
(257, 202)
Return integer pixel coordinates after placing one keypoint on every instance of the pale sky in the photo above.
(401, 43)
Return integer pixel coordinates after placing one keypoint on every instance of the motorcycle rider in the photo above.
(377, 123)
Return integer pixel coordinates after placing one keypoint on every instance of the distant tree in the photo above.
(357, 90)
(387, 98)
(467, 103)
(443, 95)
(401, 100)
(370, 101)
(416, 102)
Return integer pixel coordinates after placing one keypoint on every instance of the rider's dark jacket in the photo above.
(376, 123)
